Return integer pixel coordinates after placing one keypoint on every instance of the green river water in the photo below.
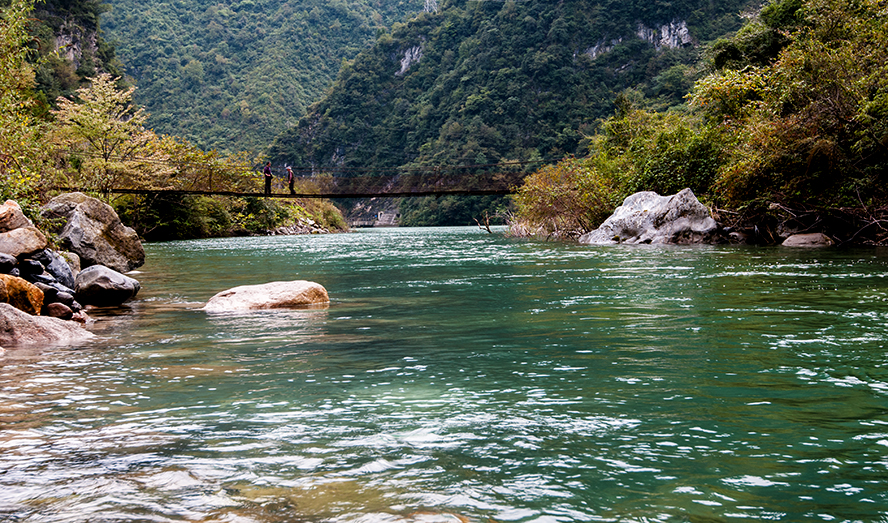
(464, 376)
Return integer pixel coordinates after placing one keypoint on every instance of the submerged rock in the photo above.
(20, 328)
(274, 295)
(647, 217)
(815, 239)
(104, 287)
(95, 233)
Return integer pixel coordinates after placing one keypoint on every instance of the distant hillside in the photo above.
(70, 47)
(486, 81)
(233, 74)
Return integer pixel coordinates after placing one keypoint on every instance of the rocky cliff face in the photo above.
(672, 35)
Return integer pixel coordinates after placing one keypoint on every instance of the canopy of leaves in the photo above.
(233, 74)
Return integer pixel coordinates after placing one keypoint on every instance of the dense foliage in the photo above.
(789, 132)
(812, 124)
(486, 82)
(21, 144)
(232, 75)
(96, 139)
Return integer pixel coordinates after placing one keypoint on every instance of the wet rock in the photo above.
(274, 295)
(20, 294)
(20, 328)
(95, 233)
(647, 217)
(809, 240)
(103, 287)
(58, 310)
(50, 294)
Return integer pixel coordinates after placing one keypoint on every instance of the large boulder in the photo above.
(647, 217)
(18, 236)
(20, 328)
(20, 294)
(103, 287)
(95, 233)
(22, 241)
(274, 295)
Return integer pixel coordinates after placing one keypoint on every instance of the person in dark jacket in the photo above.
(268, 179)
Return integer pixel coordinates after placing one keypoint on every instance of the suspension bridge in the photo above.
(471, 180)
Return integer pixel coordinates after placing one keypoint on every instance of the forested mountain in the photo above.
(486, 82)
(69, 46)
(233, 74)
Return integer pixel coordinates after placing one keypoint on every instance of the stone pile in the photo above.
(38, 281)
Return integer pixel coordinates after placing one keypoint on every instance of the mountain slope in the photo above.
(484, 82)
(233, 74)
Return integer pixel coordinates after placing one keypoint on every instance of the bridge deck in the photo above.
(327, 195)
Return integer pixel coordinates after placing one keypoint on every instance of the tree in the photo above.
(104, 141)
(21, 151)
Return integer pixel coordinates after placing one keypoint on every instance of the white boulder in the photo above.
(273, 295)
(647, 217)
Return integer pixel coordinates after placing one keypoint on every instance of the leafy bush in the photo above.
(567, 199)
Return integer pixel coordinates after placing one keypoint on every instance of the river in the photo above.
(464, 376)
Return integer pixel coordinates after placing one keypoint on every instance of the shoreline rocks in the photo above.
(47, 287)
(95, 233)
(20, 328)
(648, 218)
(809, 240)
(104, 287)
(273, 295)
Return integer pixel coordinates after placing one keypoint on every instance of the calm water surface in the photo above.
(464, 376)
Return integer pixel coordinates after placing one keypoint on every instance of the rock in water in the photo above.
(20, 328)
(815, 239)
(647, 217)
(20, 294)
(94, 232)
(274, 295)
(104, 287)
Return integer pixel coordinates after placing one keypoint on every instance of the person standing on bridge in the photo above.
(268, 179)
(290, 179)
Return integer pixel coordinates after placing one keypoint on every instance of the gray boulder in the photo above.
(815, 239)
(647, 217)
(20, 328)
(57, 266)
(103, 287)
(95, 233)
(274, 295)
